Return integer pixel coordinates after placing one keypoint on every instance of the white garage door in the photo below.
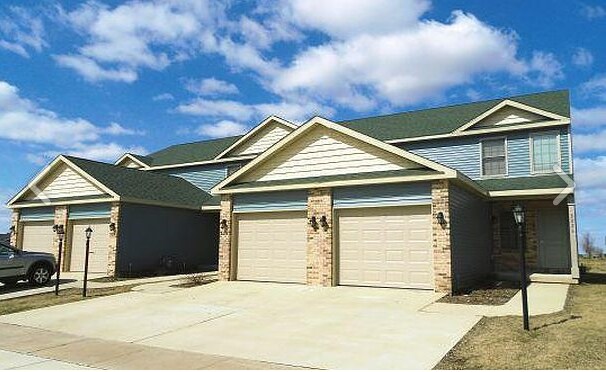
(386, 247)
(272, 246)
(99, 244)
(38, 236)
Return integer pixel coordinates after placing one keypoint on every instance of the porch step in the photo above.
(553, 278)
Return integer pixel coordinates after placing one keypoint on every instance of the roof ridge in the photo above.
(455, 105)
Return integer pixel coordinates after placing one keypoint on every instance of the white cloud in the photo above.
(297, 112)
(590, 142)
(544, 69)
(590, 177)
(5, 213)
(593, 12)
(163, 97)
(210, 87)
(589, 117)
(24, 121)
(20, 31)
(104, 151)
(223, 128)
(582, 57)
(92, 71)
(595, 87)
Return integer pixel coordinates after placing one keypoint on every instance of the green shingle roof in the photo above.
(147, 160)
(523, 183)
(144, 186)
(443, 120)
(341, 177)
(191, 152)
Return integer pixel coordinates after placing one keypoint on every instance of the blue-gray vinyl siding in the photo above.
(382, 195)
(203, 177)
(471, 238)
(85, 211)
(37, 214)
(271, 201)
(464, 154)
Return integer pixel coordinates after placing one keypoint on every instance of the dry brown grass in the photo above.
(574, 338)
(16, 305)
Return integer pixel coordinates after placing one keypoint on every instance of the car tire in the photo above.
(40, 274)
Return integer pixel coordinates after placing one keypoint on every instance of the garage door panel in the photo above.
(272, 246)
(99, 245)
(388, 247)
(38, 236)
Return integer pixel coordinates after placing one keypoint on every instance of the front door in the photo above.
(554, 241)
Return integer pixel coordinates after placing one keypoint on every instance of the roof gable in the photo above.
(133, 161)
(260, 138)
(322, 148)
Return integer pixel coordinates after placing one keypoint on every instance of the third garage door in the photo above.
(99, 245)
(386, 247)
(271, 246)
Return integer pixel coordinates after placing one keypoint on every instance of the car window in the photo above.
(4, 250)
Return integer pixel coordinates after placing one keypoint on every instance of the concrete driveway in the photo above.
(335, 328)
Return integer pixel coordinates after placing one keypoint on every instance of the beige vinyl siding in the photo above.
(471, 234)
(64, 182)
(272, 246)
(321, 153)
(509, 116)
(386, 247)
(130, 164)
(37, 236)
(262, 141)
(99, 245)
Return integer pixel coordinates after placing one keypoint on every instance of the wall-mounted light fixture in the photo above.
(324, 222)
(313, 222)
(59, 230)
(223, 225)
(112, 227)
(441, 219)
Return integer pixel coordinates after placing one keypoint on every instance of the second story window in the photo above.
(545, 152)
(494, 158)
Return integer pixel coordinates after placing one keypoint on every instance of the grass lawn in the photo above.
(574, 338)
(16, 305)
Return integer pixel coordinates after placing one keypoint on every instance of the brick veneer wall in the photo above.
(319, 240)
(442, 261)
(112, 250)
(14, 238)
(225, 239)
(61, 214)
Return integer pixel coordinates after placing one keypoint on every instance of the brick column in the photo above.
(14, 238)
(225, 239)
(114, 218)
(61, 219)
(574, 248)
(440, 202)
(319, 241)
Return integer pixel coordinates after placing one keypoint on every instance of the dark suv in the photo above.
(35, 267)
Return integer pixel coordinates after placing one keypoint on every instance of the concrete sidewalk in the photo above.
(543, 298)
(32, 348)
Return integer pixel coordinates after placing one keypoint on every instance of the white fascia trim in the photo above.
(531, 192)
(510, 103)
(211, 208)
(205, 162)
(47, 170)
(254, 130)
(475, 132)
(315, 121)
(129, 156)
(64, 202)
(313, 185)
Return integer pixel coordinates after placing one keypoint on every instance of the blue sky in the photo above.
(97, 79)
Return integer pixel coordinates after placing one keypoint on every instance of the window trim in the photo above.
(531, 149)
(505, 144)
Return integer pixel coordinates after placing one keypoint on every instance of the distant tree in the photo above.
(588, 243)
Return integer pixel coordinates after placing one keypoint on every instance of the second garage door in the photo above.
(38, 236)
(271, 246)
(99, 245)
(386, 247)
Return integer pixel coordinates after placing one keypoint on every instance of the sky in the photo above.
(100, 78)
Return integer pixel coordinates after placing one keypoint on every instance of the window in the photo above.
(494, 162)
(545, 152)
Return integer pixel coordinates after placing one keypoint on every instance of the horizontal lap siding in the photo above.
(37, 214)
(275, 201)
(89, 211)
(382, 195)
(471, 238)
(518, 155)
(565, 149)
(64, 183)
(264, 141)
(203, 177)
(460, 154)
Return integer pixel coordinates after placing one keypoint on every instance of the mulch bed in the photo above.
(493, 293)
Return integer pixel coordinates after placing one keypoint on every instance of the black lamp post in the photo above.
(519, 215)
(60, 231)
(89, 233)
